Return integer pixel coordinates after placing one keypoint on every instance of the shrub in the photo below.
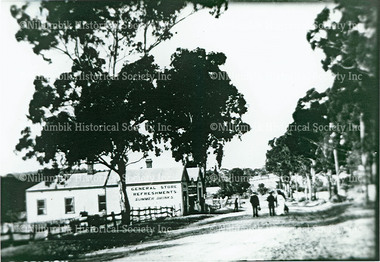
(262, 189)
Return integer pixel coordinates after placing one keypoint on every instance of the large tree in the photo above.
(201, 112)
(303, 135)
(107, 43)
(347, 35)
(282, 162)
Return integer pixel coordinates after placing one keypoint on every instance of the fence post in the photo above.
(33, 236)
(49, 231)
(95, 221)
(125, 217)
(113, 219)
(10, 234)
(31, 233)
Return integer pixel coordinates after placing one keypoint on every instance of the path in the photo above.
(308, 233)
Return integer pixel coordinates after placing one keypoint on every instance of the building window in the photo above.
(41, 207)
(69, 205)
(102, 203)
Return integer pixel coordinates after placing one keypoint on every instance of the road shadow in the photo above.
(123, 254)
(333, 215)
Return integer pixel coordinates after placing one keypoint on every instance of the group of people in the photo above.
(276, 204)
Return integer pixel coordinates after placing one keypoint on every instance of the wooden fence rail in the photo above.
(11, 232)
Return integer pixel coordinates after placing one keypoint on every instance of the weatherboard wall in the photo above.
(156, 195)
(85, 199)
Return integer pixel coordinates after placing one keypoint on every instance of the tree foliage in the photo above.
(351, 54)
(237, 183)
(104, 42)
(197, 109)
(119, 27)
(347, 35)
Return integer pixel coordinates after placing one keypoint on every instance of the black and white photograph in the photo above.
(189, 130)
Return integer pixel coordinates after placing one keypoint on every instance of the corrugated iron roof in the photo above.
(78, 180)
(155, 175)
(138, 176)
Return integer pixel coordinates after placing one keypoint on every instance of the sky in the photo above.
(268, 59)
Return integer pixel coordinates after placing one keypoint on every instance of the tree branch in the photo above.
(65, 52)
(102, 161)
(160, 39)
(134, 162)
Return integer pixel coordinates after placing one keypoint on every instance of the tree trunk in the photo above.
(336, 161)
(287, 189)
(290, 185)
(305, 191)
(365, 166)
(374, 171)
(203, 197)
(371, 170)
(290, 191)
(312, 186)
(126, 216)
(204, 177)
(364, 156)
(309, 191)
(329, 177)
(304, 182)
(296, 175)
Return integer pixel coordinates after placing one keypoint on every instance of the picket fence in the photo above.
(12, 232)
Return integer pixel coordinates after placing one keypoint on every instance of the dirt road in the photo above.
(327, 232)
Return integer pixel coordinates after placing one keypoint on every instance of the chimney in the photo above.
(90, 168)
(148, 162)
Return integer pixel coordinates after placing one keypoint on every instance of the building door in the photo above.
(185, 204)
(200, 195)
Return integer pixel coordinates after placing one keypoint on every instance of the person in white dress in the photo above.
(280, 210)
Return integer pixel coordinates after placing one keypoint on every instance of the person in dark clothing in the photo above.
(236, 205)
(202, 204)
(271, 200)
(255, 202)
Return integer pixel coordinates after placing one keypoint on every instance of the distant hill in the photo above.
(13, 194)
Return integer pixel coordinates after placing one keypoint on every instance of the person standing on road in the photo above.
(271, 200)
(236, 205)
(255, 202)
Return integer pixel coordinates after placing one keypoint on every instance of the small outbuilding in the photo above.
(196, 189)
